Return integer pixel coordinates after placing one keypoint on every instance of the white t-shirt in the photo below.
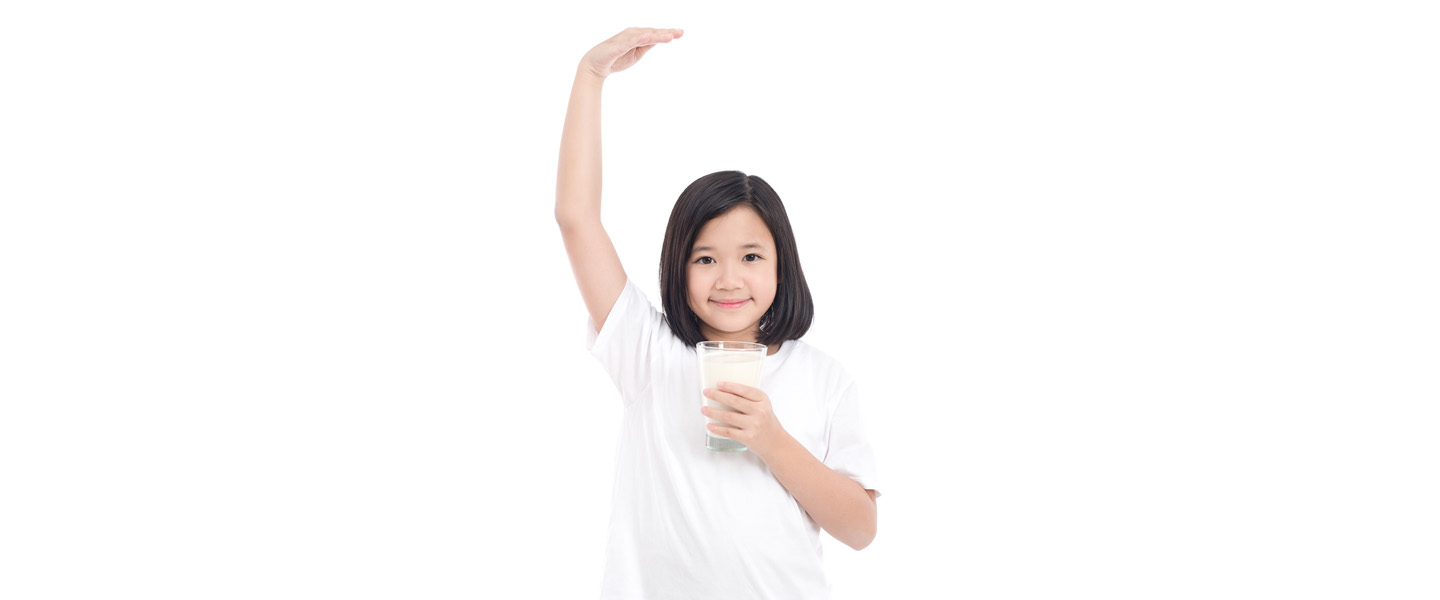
(692, 523)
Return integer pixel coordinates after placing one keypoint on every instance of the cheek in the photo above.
(772, 283)
(765, 292)
(694, 288)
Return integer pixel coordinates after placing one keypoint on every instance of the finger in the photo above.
(744, 391)
(646, 37)
(728, 399)
(732, 419)
(666, 34)
(721, 430)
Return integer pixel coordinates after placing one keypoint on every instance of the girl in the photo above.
(688, 522)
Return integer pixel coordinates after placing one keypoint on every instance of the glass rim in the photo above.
(723, 345)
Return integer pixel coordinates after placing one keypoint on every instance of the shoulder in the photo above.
(634, 327)
(640, 306)
(821, 366)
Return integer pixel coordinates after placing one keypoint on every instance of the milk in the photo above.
(733, 366)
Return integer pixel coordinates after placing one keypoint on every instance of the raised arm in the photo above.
(597, 266)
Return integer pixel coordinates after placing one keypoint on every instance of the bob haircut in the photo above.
(708, 197)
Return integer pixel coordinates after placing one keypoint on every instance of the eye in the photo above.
(702, 260)
(747, 257)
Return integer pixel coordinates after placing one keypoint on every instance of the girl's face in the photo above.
(731, 275)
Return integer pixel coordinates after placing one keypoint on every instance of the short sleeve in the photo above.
(847, 449)
(627, 346)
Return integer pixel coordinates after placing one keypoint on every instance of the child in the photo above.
(689, 522)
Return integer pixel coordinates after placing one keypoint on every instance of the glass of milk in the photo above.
(739, 362)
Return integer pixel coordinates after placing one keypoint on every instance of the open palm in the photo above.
(625, 49)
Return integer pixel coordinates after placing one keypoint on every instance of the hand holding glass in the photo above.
(740, 362)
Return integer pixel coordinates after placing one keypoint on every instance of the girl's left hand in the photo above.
(754, 425)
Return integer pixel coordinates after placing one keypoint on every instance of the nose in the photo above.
(729, 277)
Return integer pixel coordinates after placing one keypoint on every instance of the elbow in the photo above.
(862, 541)
(564, 213)
(862, 538)
(569, 219)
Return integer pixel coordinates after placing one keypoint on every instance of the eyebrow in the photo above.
(749, 246)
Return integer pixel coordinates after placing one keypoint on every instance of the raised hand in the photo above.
(625, 49)
(597, 266)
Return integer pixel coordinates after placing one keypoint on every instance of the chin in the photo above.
(733, 332)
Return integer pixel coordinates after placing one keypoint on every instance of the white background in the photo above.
(1142, 300)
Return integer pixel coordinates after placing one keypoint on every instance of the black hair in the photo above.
(708, 197)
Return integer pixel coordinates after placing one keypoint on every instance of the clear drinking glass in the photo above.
(739, 362)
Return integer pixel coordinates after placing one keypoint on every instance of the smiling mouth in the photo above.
(731, 305)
